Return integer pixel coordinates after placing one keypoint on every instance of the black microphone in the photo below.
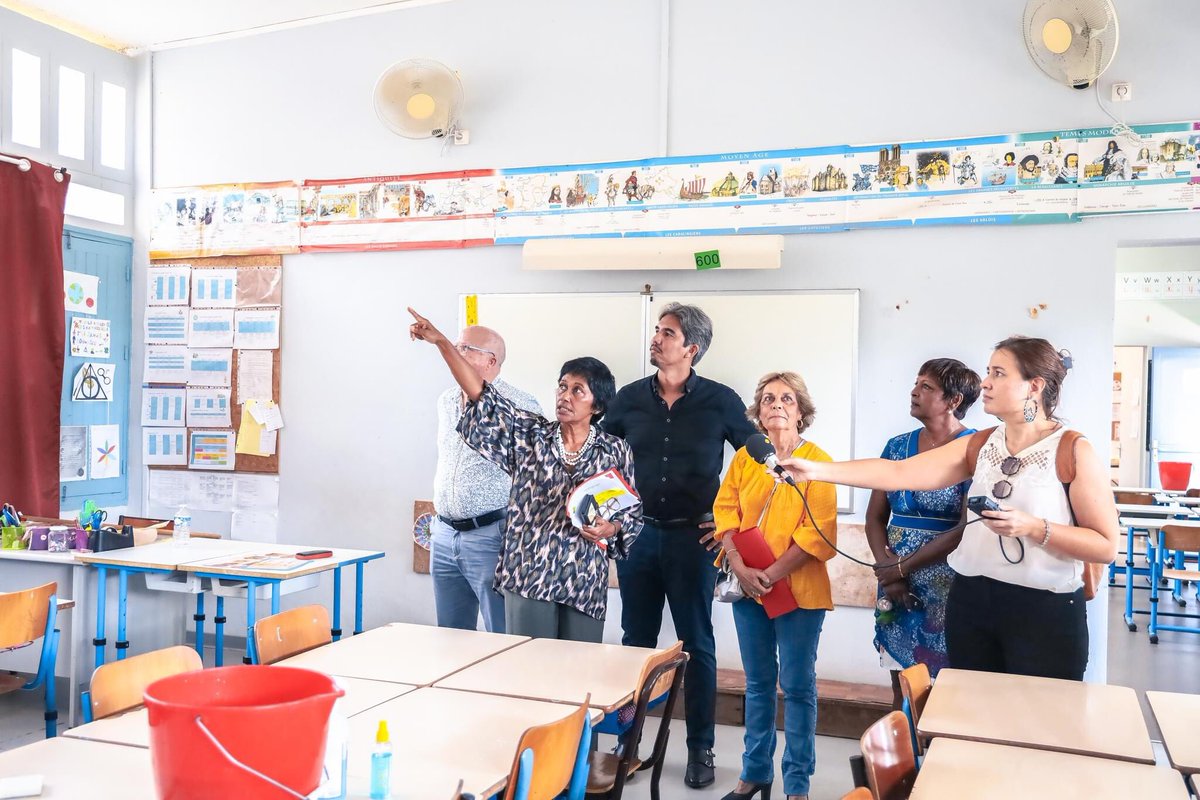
(759, 448)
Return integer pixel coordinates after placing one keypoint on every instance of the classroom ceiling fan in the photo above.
(419, 99)
(1072, 41)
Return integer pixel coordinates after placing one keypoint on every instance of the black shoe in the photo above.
(700, 771)
(755, 788)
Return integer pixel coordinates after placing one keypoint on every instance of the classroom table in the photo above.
(1179, 499)
(440, 736)
(201, 558)
(954, 769)
(1169, 510)
(1152, 529)
(74, 768)
(1148, 490)
(1090, 719)
(558, 671)
(1178, 717)
(132, 728)
(404, 653)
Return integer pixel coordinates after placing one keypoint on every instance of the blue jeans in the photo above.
(779, 652)
(464, 568)
(673, 565)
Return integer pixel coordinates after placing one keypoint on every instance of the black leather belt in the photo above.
(680, 522)
(471, 523)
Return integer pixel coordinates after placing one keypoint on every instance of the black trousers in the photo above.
(995, 626)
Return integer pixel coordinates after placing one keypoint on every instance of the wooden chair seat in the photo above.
(602, 772)
(10, 683)
(1181, 574)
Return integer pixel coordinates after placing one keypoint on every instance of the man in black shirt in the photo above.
(677, 424)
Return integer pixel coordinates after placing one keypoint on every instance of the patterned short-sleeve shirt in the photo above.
(543, 556)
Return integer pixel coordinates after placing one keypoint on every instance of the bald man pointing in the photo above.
(470, 495)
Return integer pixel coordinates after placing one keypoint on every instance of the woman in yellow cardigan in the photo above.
(780, 651)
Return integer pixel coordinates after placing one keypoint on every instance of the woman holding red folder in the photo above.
(778, 646)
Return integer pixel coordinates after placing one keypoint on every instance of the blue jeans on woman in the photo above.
(779, 652)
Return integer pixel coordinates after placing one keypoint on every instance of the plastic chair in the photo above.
(861, 793)
(552, 759)
(118, 685)
(915, 684)
(888, 755)
(661, 677)
(25, 617)
(288, 633)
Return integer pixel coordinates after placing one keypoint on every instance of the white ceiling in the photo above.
(135, 25)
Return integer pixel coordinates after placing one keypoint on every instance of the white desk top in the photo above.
(307, 567)
(67, 559)
(1178, 717)
(168, 554)
(1146, 490)
(1181, 500)
(1138, 510)
(73, 769)
(1044, 713)
(954, 769)
(404, 653)
(558, 671)
(440, 736)
(1154, 523)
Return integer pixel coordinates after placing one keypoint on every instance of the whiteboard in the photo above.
(812, 333)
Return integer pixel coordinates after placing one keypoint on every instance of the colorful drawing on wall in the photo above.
(81, 292)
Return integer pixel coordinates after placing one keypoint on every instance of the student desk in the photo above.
(1178, 717)
(197, 557)
(1173, 509)
(405, 653)
(1152, 527)
(1147, 490)
(954, 769)
(440, 736)
(1044, 713)
(558, 671)
(73, 768)
(133, 727)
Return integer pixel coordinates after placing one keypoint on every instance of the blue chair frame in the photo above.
(46, 666)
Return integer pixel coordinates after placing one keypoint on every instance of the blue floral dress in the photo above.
(919, 635)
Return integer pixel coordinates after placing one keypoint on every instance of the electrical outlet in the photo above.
(1122, 92)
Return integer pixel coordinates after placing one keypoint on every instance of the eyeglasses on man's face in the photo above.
(465, 349)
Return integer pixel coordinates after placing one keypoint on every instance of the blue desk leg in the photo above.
(251, 615)
(122, 644)
(1177, 592)
(219, 624)
(274, 597)
(336, 630)
(1155, 572)
(101, 601)
(358, 590)
(198, 618)
(1129, 623)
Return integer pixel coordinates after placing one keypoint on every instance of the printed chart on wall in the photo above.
(1007, 178)
(213, 346)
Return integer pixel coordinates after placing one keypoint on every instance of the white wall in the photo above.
(1158, 323)
(559, 82)
(1131, 363)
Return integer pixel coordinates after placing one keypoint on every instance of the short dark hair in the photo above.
(956, 379)
(599, 379)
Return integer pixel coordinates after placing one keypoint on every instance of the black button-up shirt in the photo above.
(678, 451)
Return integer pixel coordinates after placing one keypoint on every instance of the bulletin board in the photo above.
(243, 462)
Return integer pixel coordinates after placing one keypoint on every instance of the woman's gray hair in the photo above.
(695, 324)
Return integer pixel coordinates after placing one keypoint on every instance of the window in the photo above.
(98, 204)
(26, 98)
(72, 102)
(112, 125)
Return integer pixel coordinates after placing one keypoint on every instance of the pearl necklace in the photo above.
(571, 458)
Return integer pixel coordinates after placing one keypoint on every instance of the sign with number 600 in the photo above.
(708, 259)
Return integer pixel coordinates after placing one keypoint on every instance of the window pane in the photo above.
(71, 104)
(26, 98)
(97, 204)
(112, 125)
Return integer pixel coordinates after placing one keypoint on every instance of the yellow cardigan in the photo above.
(744, 492)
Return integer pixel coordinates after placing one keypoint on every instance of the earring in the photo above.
(1030, 409)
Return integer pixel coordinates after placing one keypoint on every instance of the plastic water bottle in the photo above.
(381, 764)
(333, 778)
(183, 525)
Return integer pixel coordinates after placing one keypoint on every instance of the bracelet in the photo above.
(1046, 538)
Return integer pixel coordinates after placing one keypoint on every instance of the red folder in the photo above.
(756, 553)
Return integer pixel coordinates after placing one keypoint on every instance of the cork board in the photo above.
(243, 463)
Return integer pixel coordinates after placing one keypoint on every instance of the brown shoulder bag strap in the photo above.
(975, 444)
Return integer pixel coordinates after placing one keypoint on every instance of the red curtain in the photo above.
(31, 335)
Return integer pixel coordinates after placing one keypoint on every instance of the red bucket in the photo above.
(1175, 475)
(244, 731)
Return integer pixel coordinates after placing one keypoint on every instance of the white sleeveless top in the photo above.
(1037, 491)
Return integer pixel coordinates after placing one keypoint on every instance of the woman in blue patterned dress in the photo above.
(911, 611)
